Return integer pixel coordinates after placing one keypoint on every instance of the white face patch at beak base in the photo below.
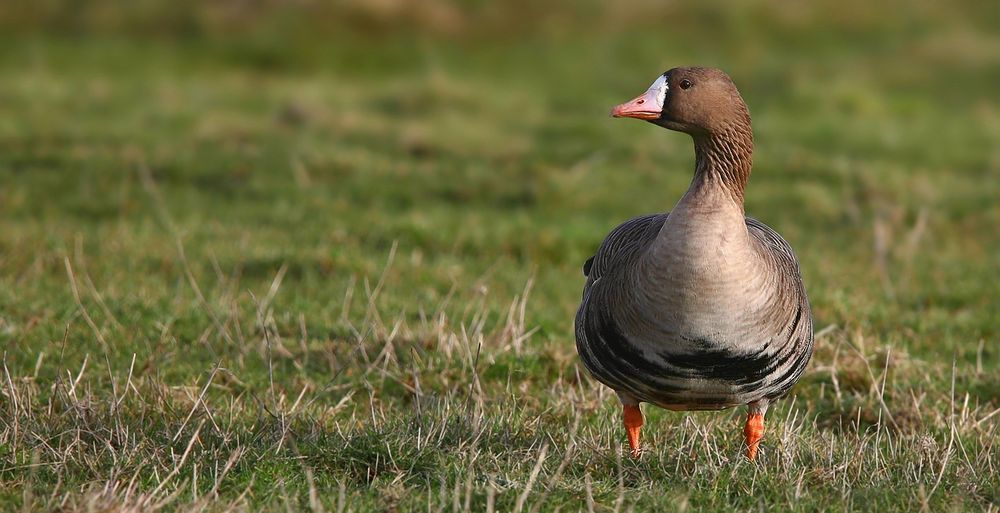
(658, 91)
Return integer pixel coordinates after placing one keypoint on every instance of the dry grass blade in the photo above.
(83, 309)
(519, 506)
(197, 403)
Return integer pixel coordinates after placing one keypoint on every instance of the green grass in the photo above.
(249, 267)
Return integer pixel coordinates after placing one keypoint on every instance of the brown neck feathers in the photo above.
(724, 158)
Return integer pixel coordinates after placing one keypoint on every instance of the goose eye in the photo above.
(686, 84)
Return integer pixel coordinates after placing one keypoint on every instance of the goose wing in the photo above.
(600, 343)
(622, 244)
(793, 331)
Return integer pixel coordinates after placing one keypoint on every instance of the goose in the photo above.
(702, 307)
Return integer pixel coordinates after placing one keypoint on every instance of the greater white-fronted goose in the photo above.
(701, 308)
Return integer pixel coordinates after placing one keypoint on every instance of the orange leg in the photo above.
(633, 422)
(754, 431)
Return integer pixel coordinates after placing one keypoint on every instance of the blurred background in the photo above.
(178, 175)
(475, 135)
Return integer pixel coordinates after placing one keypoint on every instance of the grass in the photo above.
(243, 268)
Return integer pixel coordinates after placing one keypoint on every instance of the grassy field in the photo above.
(328, 260)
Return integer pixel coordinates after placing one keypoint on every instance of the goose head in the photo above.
(694, 100)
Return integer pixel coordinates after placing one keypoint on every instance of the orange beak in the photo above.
(648, 105)
(642, 107)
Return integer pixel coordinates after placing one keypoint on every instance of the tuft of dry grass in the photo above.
(417, 413)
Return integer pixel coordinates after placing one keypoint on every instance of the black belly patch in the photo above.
(723, 364)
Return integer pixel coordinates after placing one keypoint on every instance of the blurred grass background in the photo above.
(223, 183)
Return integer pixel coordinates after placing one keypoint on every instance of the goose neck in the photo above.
(723, 160)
